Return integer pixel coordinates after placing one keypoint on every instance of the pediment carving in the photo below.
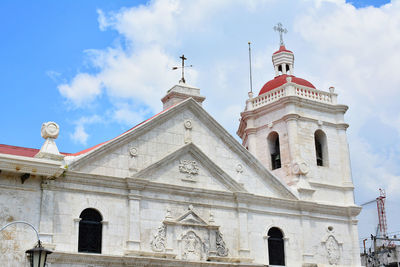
(189, 237)
(189, 218)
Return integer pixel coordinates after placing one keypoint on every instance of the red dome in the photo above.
(282, 48)
(281, 80)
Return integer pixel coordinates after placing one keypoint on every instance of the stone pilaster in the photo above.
(307, 253)
(46, 215)
(133, 240)
(242, 211)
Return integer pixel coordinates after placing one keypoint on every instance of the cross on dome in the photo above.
(279, 28)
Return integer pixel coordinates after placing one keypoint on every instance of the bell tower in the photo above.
(298, 132)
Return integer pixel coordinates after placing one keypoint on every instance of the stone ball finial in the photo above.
(50, 130)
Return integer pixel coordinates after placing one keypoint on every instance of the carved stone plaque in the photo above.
(333, 251)
(189, 167)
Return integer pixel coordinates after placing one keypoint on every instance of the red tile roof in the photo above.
(18, 151)
(282, 48)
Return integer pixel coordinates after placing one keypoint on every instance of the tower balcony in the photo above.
(292, 89)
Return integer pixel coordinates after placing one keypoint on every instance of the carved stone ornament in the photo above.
(189, 167)
(158, 242)
(222, 250)
(332, 250)
(300, 167)
(193, 248)
(133, 151)
(188, 124)
(50, 130)
(239, 168)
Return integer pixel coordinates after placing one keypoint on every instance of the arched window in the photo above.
(321, 148)
(90, 231)
(276, 248)
(274, 150)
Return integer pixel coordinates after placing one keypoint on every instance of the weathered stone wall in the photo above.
(18, 202)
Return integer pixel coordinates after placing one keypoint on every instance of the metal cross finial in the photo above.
(279, 28)
(183, 68)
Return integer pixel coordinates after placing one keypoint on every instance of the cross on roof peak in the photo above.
(279, 28)
(182, 80)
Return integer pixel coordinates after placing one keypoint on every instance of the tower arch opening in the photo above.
(321, 148)
(274, 150)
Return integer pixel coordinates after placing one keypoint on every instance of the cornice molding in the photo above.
(250, 201)
(35, 166)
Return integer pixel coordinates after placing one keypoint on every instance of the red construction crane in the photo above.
(380, 204)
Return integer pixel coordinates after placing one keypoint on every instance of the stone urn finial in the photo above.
(50, 130)
(49, 150)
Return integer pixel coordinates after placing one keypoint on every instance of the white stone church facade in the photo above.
(179, 190)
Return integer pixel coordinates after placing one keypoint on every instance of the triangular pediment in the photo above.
(161, 140)
(190, 217)
(190, 167)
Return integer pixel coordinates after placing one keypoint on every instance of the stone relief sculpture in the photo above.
(189, 167)
(133, 153)
(222, 250)
(188, 130)
(333, 250)
(239, 168)
(332, 246)
(192, 247)
(190, 238)
(158, 242)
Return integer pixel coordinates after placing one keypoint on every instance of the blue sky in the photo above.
(121, 52)
(43, 44)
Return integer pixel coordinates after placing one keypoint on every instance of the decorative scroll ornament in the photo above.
(158, 242)
(300, 168)
(133, 151)
(222, 250)
(189, 167)
(332, 249)
(188, 130)
(188, 124)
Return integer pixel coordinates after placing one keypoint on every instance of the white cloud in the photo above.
(80, 135)
(54, 75)
(82, 89)
(125, 115)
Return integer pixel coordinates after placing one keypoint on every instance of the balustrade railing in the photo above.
(290, 90)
